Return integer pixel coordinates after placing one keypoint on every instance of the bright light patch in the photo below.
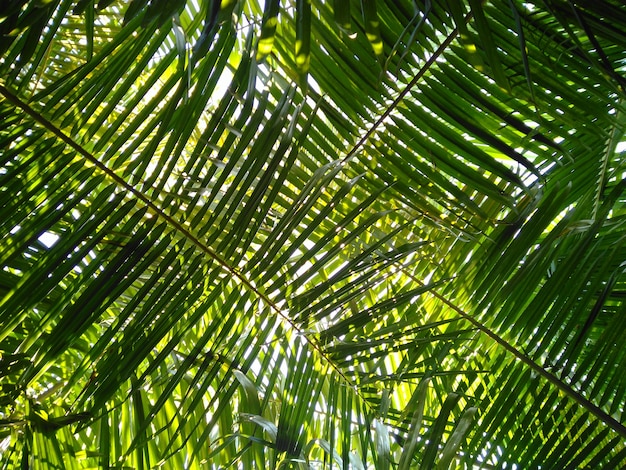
(48, 239)
(376, 43)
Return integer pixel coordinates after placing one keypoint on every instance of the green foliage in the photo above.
(378, 234)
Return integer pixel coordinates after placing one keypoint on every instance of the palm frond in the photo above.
(312, 235)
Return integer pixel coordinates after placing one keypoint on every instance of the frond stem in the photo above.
(407, 89)
(553, 379)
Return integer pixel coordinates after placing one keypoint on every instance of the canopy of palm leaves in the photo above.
(377, 234)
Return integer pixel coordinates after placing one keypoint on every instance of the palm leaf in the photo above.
(236, 236)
